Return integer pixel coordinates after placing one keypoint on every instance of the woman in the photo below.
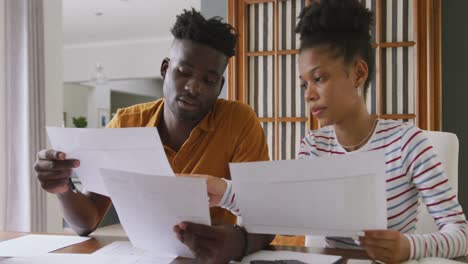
(335, 62)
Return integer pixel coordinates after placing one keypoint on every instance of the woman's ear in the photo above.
(361, 73)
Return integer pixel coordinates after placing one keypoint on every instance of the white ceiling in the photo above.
(120, 20)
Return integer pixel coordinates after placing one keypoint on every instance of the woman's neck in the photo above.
(355, 130)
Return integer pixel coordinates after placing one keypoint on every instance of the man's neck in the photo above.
(174, 132)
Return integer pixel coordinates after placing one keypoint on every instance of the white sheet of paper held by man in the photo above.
(150, 206)
(334, 196)
(129, 149)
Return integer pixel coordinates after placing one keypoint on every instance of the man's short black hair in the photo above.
(212, 32)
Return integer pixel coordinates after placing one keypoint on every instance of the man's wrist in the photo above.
(71, 189)
(245, 242)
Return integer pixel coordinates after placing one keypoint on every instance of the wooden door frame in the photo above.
(428, 70)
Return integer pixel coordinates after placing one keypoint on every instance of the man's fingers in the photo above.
(198, 229)
(55, 175)
(200, 248)
(55, 165)
(179, 233)
(192, 238)
(194, 228)
(50, 154)
(50, 186)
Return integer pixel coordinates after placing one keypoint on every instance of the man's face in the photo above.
(193, 78)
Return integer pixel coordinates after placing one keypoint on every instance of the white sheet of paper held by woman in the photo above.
(149, 206)
(334, 196)
(129, 149)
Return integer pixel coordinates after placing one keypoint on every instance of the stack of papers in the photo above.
(130, 166)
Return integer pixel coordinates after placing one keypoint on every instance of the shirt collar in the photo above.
(207, 124)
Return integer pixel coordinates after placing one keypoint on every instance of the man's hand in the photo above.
(212, 244)
(215, 186)
(388, 246)
(54, 170)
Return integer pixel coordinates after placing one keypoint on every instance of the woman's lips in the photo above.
(317, 111)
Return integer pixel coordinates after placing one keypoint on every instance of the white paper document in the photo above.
(432, 260)
(308, 258)
(125, 248)
(34, 245)
(359, 261)
(129, 149)
(334, 196)
(150, 206)
(62, 258)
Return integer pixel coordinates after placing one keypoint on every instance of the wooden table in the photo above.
(97, 242)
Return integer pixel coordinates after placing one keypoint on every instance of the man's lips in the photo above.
(188, 101)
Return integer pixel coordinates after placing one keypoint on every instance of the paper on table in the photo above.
(34, 245)
(149, 206)
(289, 255)
(125, 248)
(62, 258)
(431, 260)
(129, 149)
(359, 261)
(335, 196)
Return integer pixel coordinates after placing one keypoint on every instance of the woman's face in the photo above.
(330, 85)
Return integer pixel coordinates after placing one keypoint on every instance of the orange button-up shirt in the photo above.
(230, 132)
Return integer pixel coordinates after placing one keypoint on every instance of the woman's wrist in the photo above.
(224, 202)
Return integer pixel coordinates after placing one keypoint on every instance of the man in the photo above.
(200, 133)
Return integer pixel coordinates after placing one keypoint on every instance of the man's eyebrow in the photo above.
(185, 63)
(211, 71)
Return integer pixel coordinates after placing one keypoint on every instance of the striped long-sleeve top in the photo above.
(413, 170)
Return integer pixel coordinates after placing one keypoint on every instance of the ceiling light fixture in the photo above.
(99, 77)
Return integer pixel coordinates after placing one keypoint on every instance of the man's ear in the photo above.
(222, 84)
(164, 67)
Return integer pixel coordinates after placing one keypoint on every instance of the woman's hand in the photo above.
(216, 187)
(388, 246)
